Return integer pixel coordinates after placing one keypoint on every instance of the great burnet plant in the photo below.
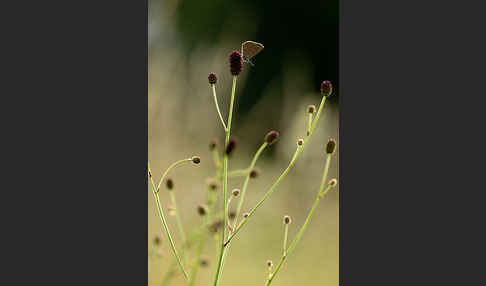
(225, 224)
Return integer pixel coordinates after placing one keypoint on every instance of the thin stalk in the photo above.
(195, 267)
(178, 217)
(247, 179)
(170, 168)
(275, 185)
(217, 161)
(314, 122)
(309, 124)
(320, 195)
(213, 87)
(286, 234)
(267, 194)
(243, 191)
(225, 182)
(162, 216)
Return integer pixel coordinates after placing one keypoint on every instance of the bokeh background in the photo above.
(187, 40)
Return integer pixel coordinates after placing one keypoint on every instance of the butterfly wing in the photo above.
(250, 49)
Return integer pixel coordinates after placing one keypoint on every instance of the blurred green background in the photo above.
(188, 39)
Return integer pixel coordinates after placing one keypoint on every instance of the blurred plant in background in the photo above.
(182, 122)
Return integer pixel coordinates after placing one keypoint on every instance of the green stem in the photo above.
(243, 191)
(170, 168)
(320, 195)
(213, 87)
(274, 186)
(217, 162)
(267, 194)
(225, 183)
(161, 213)
(178, 217)
(286, 234)
(309, 124)
(247, 179)
(197, 262)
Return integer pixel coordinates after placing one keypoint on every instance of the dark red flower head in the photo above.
(326, 88)
(235, 63)
(212, 78)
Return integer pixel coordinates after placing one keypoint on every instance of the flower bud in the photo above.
(202, 210)
(212, 145)
(269, 263)
(300, 142)
(235, 63)
(245, 215)
(272, 137)
(333, 183)
(311, 108)
(204, 261)
(326, 88)
(331, 146)
(287, 219)
(236, 192)
(212, 78)
(169, 184)
(215, 226)
(254, 173)
(231, 146)
(196, 159)
(212, 184)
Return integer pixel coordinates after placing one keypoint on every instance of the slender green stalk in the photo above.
(170, 168)
(314, 122)
(247, 179)
(309, 124)
(217, 161)
(213, 87)
(225, 183)
(243, 191)
(195, 267)
(286, 234)
(178, 217)
(320, 195)
(275, 185)
(161, 213)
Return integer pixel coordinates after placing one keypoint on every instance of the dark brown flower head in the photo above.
(204, 260)
(311, 108)
(231, 146)
(269, 263)
(157, 240)
(272, 137)
(215, 226)
(202, 210)
(245, 215)
(235, 63)
(212, 184)
(212, 145)
(169, 184)
(254, 173)
(287, 219)
(236, 192)
(326, 88)
(331, 146)
(212, 78)
(300, 142)
(196, 159)
(232, 215)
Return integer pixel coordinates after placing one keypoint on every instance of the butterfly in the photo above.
(249, 49)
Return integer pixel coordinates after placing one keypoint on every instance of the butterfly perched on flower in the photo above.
(249, 49)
